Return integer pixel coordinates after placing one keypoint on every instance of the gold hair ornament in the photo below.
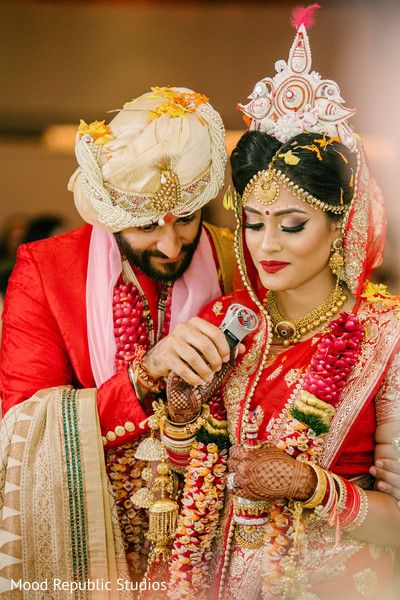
(265, 187)
(228, 201)
(267, 184)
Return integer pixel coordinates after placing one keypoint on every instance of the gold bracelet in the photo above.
(141, 376)
(183, 431)
(342, 492)
(324, 511)
(320, 490)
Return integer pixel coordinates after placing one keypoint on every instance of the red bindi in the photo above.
(267, 213)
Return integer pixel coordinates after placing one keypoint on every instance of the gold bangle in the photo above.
(324, 511)
(183, 431)
(342, 492)
(320, 491)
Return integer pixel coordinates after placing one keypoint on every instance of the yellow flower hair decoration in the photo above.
(318, 145)
(290, 158)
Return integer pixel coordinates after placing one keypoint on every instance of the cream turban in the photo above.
(163, 152)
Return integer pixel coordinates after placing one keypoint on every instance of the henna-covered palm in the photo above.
(268, 473)
(185, 401)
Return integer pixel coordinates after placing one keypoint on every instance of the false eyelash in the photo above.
(294, 229)
(254, 226)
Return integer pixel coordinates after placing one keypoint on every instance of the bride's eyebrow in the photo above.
(288, 211)
(278, 213)
(252, 210)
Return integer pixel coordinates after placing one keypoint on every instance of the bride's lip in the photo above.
(273, 266)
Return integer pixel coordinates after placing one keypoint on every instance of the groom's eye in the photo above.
(186, 219)
(149, 227)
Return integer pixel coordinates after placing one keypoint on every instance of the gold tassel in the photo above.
(163, 510)
(292, 581)
(150, 449)
(163, 515)
(143, 497)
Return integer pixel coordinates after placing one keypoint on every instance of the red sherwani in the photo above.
(45, 331)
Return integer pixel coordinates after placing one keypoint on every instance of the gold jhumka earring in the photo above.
(336, 260)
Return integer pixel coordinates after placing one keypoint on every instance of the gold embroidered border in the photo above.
(355, 228)
(234, 393)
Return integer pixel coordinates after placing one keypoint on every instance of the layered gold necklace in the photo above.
(291, 331)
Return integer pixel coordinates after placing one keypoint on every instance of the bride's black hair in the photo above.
(326, 169)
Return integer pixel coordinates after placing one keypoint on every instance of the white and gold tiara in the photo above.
(297, 99)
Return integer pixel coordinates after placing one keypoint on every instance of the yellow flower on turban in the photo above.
(100, 132)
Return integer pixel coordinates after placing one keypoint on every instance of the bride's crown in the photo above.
(297, 99)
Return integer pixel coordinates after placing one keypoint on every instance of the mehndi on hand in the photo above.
(267, 473)
(185, 401)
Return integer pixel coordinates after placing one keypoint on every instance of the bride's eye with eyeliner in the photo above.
(293, 228)
(254, 226)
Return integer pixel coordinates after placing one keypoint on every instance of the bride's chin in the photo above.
(273, 284)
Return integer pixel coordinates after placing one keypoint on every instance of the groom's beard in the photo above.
(160, 272)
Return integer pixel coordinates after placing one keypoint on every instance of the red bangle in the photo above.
(180, 459)
(354, 505)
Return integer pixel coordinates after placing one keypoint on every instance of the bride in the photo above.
(298, 515)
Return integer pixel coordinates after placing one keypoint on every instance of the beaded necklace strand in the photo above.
(133, 325)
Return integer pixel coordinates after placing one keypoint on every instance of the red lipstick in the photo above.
(273, 266)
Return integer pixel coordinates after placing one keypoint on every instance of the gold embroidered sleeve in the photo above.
(387, 399)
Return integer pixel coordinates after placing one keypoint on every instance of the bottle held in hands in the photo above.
(184, 400)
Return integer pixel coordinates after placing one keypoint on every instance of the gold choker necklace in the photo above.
(290, 332)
